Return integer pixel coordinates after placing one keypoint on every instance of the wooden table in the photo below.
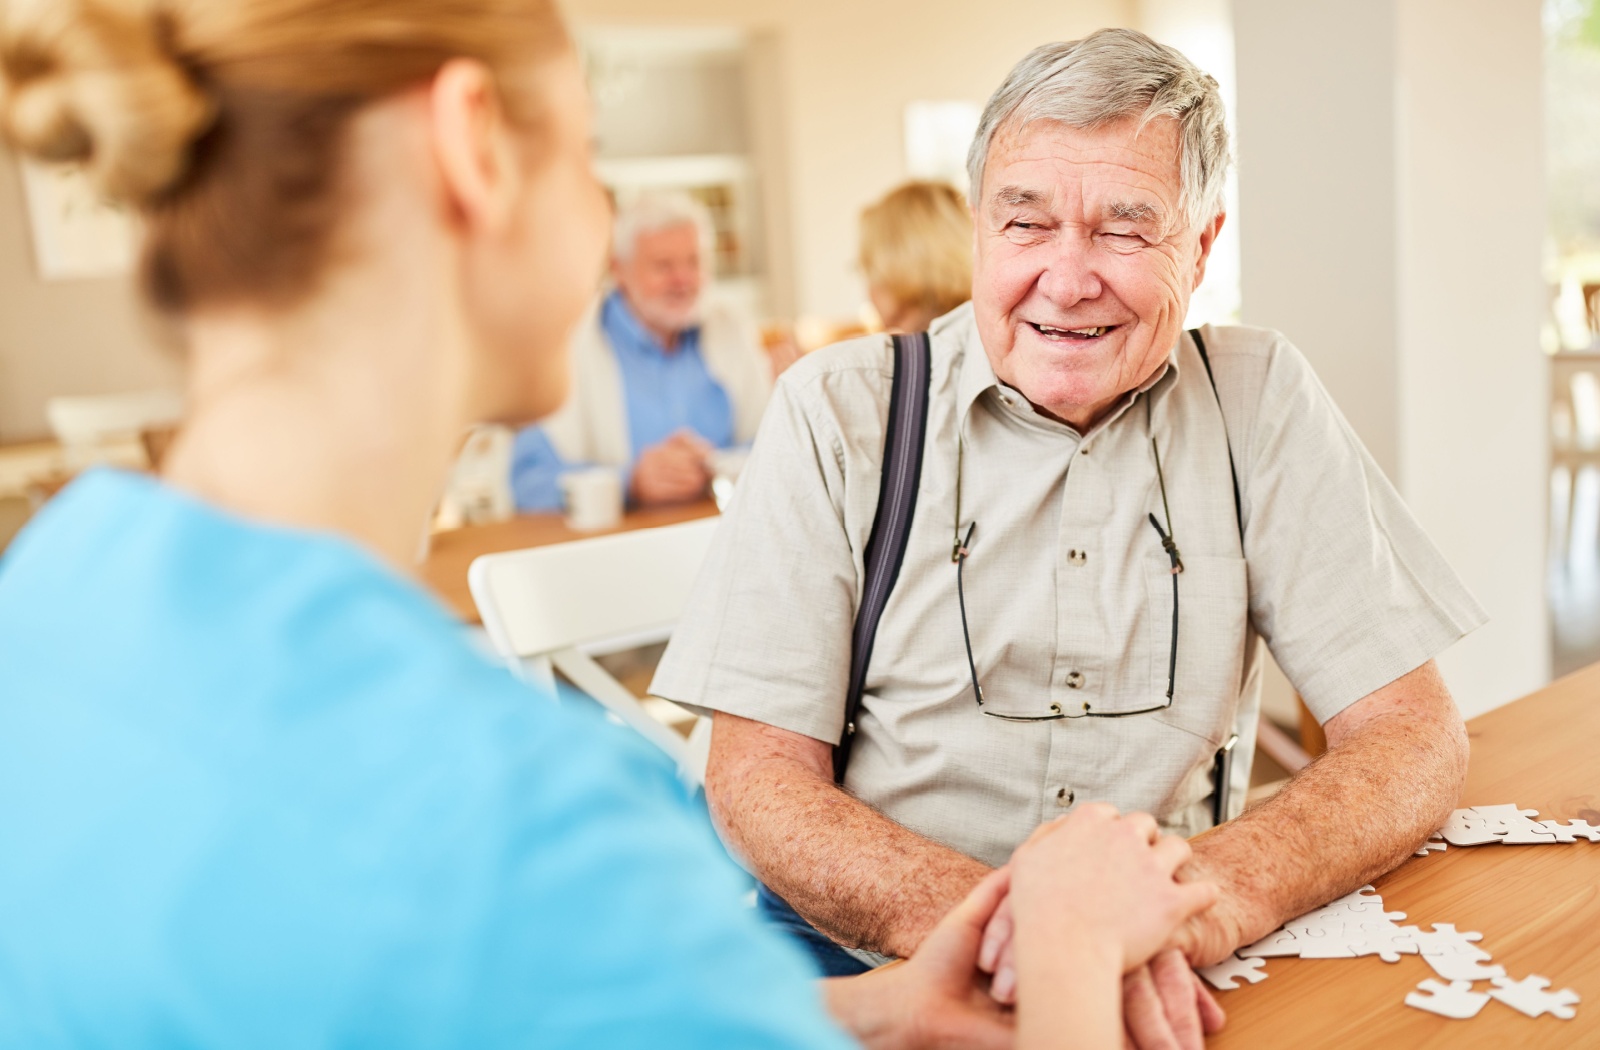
(450, 553)
(1538, 907)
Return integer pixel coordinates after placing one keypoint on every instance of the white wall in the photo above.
(63, 337)
(1391, 171)
(1473, 387)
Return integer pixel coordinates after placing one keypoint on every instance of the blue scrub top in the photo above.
(256, 790)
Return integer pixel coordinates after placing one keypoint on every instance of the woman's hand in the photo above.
(938, 998)
(1094, 875)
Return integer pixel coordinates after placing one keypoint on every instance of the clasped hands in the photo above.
(677, 470)
(1089, 901)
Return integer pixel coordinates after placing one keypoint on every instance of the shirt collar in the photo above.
(618, 316)
(977, 376)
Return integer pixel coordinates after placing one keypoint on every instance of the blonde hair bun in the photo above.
(98, 84)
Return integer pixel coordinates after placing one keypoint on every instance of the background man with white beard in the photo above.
(664, 374)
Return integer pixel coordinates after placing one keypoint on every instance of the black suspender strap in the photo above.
(1222, 764)
(1205, 359)
(891, 526)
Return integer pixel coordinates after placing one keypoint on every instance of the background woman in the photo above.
(916, 253)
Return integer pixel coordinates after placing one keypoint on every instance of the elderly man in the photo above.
(663, 374)
(1131, 508)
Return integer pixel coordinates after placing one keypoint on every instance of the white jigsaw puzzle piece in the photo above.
(1278, 944)
(1571, 832)
(1456, 999)
(1467, 828)
(1519, 828)
(1529, 996)
(1435, 843)
(1445, 939)
(1507, 814)
(1453, 955)
(1531, 835)
(1454, 967)
(1390, 944)
(1225, 974)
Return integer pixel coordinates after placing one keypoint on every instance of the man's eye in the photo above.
(1025, 225)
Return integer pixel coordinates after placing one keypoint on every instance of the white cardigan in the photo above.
(592, 425)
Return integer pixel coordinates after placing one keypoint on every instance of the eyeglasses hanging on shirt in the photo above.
(961, 550)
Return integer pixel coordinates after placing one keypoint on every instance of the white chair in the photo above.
(88, 426)
(554, 608)
(478, 491)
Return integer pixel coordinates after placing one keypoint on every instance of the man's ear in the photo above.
(1208, 237)
(472, 144)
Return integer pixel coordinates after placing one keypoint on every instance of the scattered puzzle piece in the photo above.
(1533, 834)
(1467, 828)
(1507, 814)
(1224, 975)
(1445, 939)
(1389, 945)
(1277, 944)
(1435, 843)
(1529, 996)
(1572, 832)
(1462, 968)
(1456, 999)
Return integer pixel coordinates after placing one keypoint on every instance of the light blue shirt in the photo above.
(256, 790)
(664, 392)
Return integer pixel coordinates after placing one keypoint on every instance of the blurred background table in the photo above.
(1538, 907)
(450, 553)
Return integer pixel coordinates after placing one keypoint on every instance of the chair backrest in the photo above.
(82, 424)
(547, 608)
(478, 490)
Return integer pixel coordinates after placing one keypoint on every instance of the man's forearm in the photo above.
(1356, 812)
(852, 872)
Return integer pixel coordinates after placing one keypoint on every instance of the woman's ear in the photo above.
(473, 145)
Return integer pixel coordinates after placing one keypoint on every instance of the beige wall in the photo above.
(1403, 256)
(846, 70)
(842, 73)
(62, 337)
(1473, 384)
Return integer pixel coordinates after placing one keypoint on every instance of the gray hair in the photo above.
(1109, 76)
(655, 210)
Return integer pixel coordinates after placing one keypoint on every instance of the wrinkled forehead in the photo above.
(1128, 169)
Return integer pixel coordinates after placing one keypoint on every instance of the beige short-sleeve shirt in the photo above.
(1068, 588)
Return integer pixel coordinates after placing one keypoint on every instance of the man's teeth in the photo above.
(1088, 333)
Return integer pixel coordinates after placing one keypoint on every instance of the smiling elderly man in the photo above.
(1073, 428)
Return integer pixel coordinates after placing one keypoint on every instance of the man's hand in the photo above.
(936, 999)
(1165, 1007)
(1164, 1004)
(675, 471)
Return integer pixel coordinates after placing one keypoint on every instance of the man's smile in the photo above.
(1083, 334)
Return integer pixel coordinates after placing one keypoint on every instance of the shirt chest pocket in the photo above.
(1201, 650)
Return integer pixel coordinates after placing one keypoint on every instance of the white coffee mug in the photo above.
(593, 497)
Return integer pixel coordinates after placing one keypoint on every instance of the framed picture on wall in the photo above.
(77, 233)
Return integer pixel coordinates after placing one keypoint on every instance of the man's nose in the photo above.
(1070, 276)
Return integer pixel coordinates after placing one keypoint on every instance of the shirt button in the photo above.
(1074, 680)
(1064, 797)
(1077, 557)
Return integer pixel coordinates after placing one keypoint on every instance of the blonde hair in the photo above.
(223, 121)
(916, 245)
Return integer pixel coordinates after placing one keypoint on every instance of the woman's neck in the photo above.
(343, 417)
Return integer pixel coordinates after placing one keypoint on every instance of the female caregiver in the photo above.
(256, 788)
